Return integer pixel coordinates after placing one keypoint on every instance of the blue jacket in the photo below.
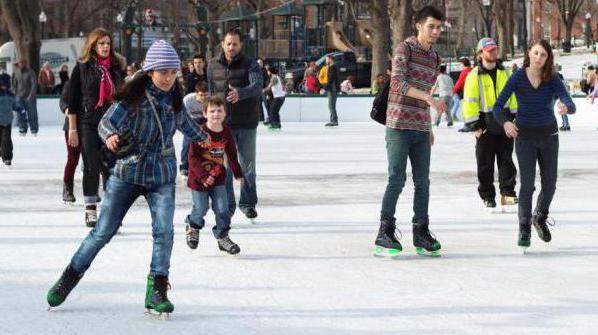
(7, 105)
(154, 163)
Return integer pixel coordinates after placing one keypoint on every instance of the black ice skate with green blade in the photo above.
(525, 234)
(425, 244)
(61, 289)
(156, 298)
(387, 244)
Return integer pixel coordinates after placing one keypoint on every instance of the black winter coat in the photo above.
(85, 87)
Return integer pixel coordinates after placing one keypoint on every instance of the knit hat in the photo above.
(161, 55)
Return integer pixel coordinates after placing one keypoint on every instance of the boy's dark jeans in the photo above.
(400, 145)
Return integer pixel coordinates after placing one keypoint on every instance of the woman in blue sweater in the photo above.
(139, 130)
(536, 132)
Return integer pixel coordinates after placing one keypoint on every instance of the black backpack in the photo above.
(380, 104)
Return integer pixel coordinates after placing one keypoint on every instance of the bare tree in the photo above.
(568, 10)
(22, 21)
(401, 12)
(380, 47)
(487, 16)
(461, 23)
(500, 9)
(378, 10)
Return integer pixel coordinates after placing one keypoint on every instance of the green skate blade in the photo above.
(386, 252)
(424, 252)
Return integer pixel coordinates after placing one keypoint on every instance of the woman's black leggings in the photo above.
(91, 145)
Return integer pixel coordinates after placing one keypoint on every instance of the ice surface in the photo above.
(307, 267)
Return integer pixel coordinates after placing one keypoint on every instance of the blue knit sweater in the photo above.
(535, 114)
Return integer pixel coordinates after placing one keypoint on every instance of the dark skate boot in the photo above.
(156, 298)
(424, 242)
(525, 235)
(541, 222)
(387, 244)
(67, 193)
(65, 284)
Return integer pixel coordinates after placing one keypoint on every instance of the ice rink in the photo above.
(307, 266)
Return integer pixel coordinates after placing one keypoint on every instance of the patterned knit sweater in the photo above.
(412, 66)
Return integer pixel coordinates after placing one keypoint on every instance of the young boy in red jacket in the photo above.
(207, 174)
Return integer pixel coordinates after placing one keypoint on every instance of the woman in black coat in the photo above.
(93, 82)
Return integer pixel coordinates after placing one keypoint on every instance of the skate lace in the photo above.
(550, 221)
(394, 234)
(227, 243)
(430, 236)
(193, 234)
(161, 290)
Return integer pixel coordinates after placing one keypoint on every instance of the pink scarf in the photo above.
(106, 84)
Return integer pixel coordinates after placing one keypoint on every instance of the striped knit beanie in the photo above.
(161, 55)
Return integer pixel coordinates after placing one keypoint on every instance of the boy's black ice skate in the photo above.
(424, 242)
(65, 284)
(540, 222)
(387, 244)
(227, 245)
(192, 236)
(250, 213)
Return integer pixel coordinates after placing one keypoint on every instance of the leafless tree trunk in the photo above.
(487, 17)
(500, 10)
(401, 12)
(568, 10)
(380, 48)
(461, 23)
(214, 8)
(22, 20)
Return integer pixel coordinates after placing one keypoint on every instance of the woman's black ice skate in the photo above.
(540, 222)
(387, 244)
(424, 242)
(61, 289)
(525, 234)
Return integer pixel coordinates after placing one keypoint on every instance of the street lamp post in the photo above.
(486, 4)
(42, 20)
(448, 38)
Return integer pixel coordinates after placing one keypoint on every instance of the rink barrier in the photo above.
(296, 108)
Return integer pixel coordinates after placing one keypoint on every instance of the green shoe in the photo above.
(63, 286)
(524, 240)
(155, 294)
